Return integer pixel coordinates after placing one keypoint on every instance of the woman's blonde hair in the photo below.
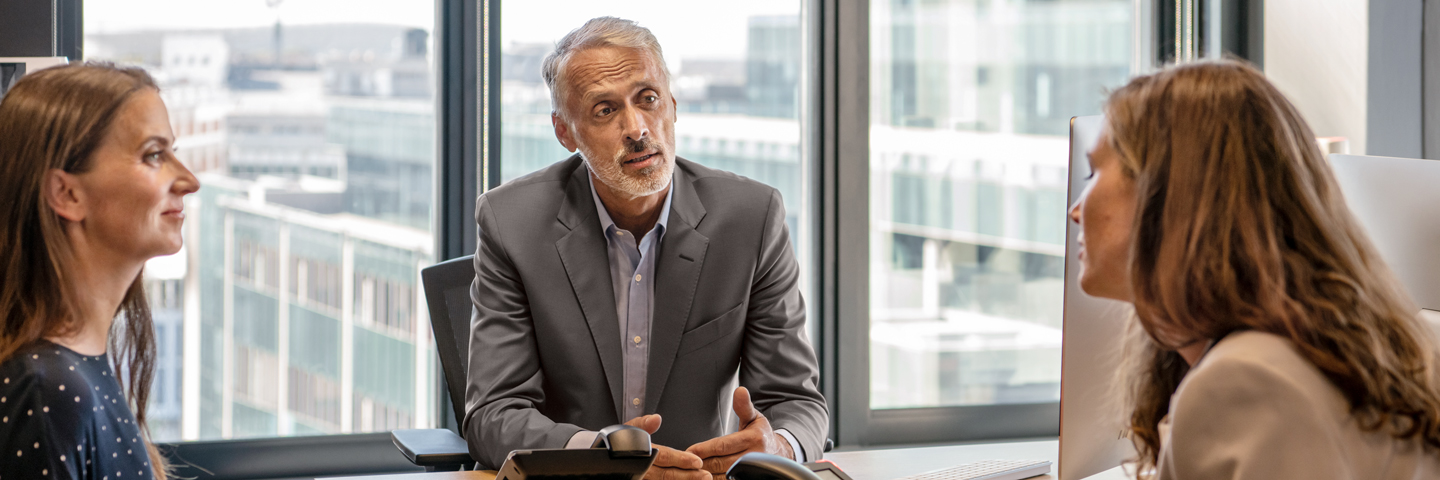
(1240, 225)
(55, 119)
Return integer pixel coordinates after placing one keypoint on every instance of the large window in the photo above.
(970, 102)
(295, 307)
(735, 75)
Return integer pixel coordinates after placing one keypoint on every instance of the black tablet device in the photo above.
(590, 463)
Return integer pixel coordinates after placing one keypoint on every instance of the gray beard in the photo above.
(651, 180)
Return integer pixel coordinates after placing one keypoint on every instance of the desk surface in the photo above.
(879, 464)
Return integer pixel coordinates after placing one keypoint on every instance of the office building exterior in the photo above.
(306, 323)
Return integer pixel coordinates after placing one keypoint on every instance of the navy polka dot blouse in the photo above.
(63, 416)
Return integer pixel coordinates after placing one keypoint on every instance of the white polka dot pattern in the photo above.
(41, 383)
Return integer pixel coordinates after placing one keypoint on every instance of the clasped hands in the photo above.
(710, 459)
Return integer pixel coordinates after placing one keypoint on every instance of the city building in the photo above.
(281, 132)
(772, 66)
(305, 323)
(191, 76)
(389, 147)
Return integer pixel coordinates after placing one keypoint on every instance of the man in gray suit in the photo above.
(625, 284)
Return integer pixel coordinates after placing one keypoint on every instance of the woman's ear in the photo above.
(64, 194)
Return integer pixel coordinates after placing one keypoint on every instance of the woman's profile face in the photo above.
(1105, 213)
(133, 189)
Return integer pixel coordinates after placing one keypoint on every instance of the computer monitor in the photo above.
(1397, 201)
(1092, 432)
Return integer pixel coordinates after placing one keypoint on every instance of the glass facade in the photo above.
(295, 307)
(970, 104)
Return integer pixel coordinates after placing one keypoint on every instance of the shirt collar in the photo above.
(606, 223)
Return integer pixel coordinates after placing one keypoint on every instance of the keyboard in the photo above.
(987, 470)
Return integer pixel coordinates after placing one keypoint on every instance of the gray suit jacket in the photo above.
(545, 342)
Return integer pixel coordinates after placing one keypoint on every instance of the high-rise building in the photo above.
(282, 132)
(308, 323)
(970, 103)
(992, 66)
(192, 76)
(389, 147)
(772, 66)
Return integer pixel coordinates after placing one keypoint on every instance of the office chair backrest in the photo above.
(447, 291)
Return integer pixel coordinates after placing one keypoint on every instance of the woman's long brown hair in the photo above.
(1241, 225)
(55, 119)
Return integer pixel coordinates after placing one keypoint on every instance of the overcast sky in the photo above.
(685, 29)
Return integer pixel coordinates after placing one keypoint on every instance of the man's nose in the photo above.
(636, 127)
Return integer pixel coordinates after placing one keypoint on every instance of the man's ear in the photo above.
(674, 110)
(562, 132)
(63, 193)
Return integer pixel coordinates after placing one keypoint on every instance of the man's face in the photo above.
(618, 111)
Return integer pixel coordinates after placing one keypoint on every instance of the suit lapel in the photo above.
(586, 262)
(677, 273)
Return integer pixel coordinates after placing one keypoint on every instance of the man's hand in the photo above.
(755, 435)
(670, 464)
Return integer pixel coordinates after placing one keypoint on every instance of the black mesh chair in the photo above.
(447, 291)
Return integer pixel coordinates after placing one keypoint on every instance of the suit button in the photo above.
(635, 402)
(637, 277)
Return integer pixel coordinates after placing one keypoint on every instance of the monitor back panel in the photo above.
(1091, 430)
(1397, 201)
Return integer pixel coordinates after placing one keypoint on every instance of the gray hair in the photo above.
(598, 32)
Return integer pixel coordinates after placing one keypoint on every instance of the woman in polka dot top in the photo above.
(92, 190)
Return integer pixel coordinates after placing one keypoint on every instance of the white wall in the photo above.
(1316, 53)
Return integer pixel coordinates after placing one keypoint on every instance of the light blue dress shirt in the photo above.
(632, 273)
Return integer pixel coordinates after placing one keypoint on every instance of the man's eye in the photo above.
(605, 111)
(651, 98)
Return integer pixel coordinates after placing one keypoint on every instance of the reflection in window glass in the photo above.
(970, 108)
(735, 76)
(295, 307)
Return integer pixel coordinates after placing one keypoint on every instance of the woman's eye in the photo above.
(153, 157)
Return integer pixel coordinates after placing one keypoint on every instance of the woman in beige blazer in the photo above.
(1271, 341)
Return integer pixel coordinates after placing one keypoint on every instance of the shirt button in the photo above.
(637, 339)
(635, 402)
(637, 277)
(620, 232)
